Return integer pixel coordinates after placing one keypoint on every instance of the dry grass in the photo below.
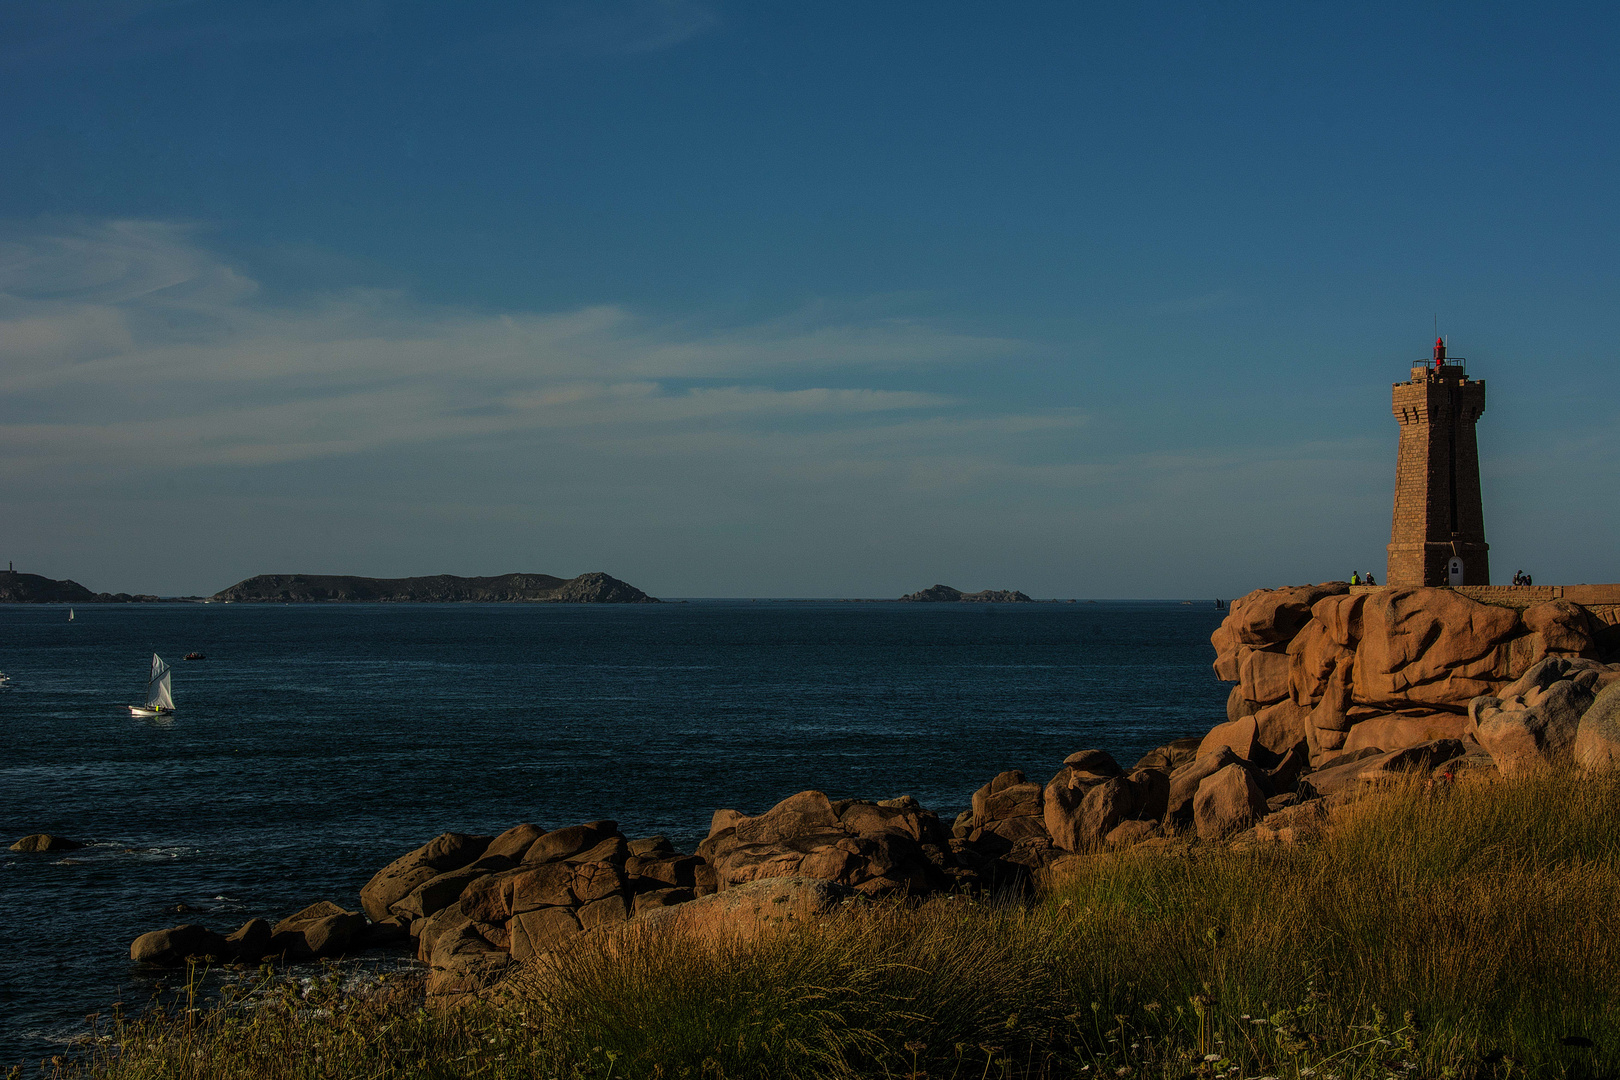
(1464, 931)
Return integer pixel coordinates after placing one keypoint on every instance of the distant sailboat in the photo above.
(158, 699)
(70, 614)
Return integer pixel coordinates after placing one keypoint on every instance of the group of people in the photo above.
(1521, 578)
(1357, 579)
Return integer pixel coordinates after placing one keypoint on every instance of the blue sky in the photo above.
(794, 299)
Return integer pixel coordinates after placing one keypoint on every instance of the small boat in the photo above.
(159, 702)
(195, 656)
(5, 680)
(70, 614)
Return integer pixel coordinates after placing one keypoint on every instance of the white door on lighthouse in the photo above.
(1454, 571)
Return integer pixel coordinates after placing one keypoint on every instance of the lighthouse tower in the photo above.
(1438, 537)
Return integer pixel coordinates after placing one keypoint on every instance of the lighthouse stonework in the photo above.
(1438, 535)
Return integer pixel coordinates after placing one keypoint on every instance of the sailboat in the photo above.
(70, 614)
(158, 700)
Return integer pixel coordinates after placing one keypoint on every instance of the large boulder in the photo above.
(1350, 771)
(322, 929)
(1560, 628)
(1597, 737)
(1178, 752)
(515, 842)
(37, 842)
(876, 848)
(177, 944)
(437, 893)
(1263, 674)
(571, 842)
(1227, 800)
(399, 878)
(747, 910)
(252, 941)
(1185, 780)
(1539, 733)
(1397, 731)
(1431, 647)
(1235, 735)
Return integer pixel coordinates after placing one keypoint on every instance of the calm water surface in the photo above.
(316, 743)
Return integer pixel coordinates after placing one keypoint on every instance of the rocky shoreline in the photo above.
(1335, 691)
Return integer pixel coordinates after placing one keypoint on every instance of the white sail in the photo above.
(157, 687)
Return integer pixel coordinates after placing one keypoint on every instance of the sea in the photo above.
(316, 743)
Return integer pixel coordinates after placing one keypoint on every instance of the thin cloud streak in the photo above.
(127, 347)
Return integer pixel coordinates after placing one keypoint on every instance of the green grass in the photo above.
(1468, 931)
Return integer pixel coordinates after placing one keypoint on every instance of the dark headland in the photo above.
(594, 588)
(18, 588)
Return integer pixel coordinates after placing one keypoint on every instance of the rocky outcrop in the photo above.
(884, 848)
(594, 588)
(37, 842)
(946, 594)
(1323, 670)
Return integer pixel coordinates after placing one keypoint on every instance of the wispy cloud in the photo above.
(129, 346)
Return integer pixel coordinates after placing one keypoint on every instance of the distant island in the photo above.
(18, 588)
(946, 594)
(439, 589)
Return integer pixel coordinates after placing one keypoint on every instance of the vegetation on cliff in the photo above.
(595, 588)
(1436, 930)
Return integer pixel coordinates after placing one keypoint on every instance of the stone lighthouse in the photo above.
(1438, 537)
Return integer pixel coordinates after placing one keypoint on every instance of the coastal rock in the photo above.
(398, 879)
(1130, 833)
(320, 930)
(1263, 618)
(749, 909)
(38, 842)
(176, 944)
(438, 892)
(571, 842)
(542, 930)
(1430, 647)
(1227, 801)
(1561, 628)
(1185, 780)
(515, 842)
(875, 849)
(1597, 737)
(1350, 771)
(1298, 824)
(1278, 730)
(1236, 736)
(1398, 731)
(1174, 754)
(1263, 674)
(251, 942)
(1542, 733)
